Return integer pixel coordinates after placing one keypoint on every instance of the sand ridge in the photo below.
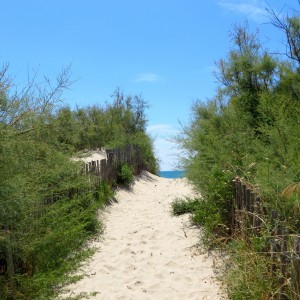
(145, 252)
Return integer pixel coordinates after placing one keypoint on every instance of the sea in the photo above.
(172, 174)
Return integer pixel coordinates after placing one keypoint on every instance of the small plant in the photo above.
(184, 206)
(204, 212)
(104, 193)
(208, 215)
(124, 174)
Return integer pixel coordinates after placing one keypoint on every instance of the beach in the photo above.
(145, 252)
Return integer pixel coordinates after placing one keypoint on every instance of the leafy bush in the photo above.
(208, 215)
(248, 274)
(203, 212)
(104, 193)
(124, 174)
(47, 206)
(184, 206)
(249, 129)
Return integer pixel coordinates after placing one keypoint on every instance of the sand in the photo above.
(89, 156)
(145, 252)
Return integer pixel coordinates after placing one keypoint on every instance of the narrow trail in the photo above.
(145, 253)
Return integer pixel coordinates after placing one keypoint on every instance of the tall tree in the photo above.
(246, 73)
(290, 25)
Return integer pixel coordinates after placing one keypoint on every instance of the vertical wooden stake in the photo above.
(10, 264)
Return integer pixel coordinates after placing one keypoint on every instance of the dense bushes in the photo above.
(231, 135)
(48, 207)
(249, 129)
(114, 125)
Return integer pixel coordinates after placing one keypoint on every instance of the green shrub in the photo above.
(249, 273)
(204, 212)
(208, 215)
(124, 174)
(184, 206)
(104, 193)
(249, 129)
(47, 204)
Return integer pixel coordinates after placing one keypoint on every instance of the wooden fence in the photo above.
(104, 170)
(251, 218)
(107, 169)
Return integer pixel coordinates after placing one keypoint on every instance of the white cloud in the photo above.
(162, 129)
(253, 9)
(147, 77)
(166, 150)
(167, 153)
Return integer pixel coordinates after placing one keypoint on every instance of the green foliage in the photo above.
(208, 215)
(48, 207)
(114, 125)
(184, 206)
(48, 224)
(249, 129)
(227, 139)
(104, 193)
(249, 275)
(203, 212)
(45, 285)
(124, 174)
(145, 144)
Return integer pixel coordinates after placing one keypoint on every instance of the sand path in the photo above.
(145, 253)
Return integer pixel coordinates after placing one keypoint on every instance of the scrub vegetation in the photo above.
(250, 129)
(48, 207)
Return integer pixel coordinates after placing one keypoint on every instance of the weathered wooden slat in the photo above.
(296, 267)
(256, 218)
(283, 265)
(10, 264)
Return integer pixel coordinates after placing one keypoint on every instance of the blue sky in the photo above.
(164, 50)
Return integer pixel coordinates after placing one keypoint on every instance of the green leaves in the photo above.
(254, 117)
(184, 206)
(124, 174)
(47, 206)
(250, 129)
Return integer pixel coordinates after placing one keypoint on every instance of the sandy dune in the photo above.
(145, 253)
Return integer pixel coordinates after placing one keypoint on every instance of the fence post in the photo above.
(296, 267)
(98, 170)
(103, 169)
(283, 264)
(244, 215)
(239, 205)
(234, 204)
(250, 207)
(109, 164)
(275, 249)
(257, 214)
(93, 167)
(10, 264)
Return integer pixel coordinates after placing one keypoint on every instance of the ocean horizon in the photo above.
(172, 174)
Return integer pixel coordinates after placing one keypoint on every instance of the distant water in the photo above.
(172, 174)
